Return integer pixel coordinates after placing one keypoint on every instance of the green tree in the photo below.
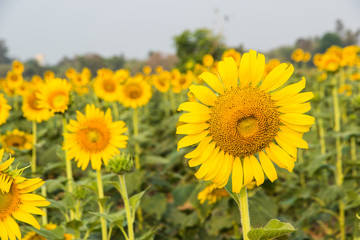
(192, 46)
(328, 40)
(3, 53)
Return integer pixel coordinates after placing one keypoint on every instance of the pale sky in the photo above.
(58, 28)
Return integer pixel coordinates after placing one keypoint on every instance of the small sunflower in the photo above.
(162, 81)
(94, 137)
(48, 75)
(4, 109)
(297, 55)
(121, 75)
(16, 139)
(212, 194)
(106, 86)
(208, 60)
(246, 125)
(16, 200)
(17, 67)
(147, 70)
(234, 54)
(183, 82)
(14, 80)
(31, 108)
(135, 93)
(71, 73)
(54, 95)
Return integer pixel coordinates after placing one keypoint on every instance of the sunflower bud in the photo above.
(121, 163)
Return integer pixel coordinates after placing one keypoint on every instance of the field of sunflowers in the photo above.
(240, 147)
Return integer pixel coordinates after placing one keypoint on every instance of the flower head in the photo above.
(4, 109)
(135, 92)
(247, 125)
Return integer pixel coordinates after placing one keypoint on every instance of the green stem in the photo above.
(129, 217)
(101, 207)
(322, 136)
(44, 217)
(136, 133)
(353, 153)
(116, 111)
(33, 159)
(339, 171)
(244, 212)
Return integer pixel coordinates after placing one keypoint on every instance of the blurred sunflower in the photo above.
(54, 95)
(71, 73)
(273, 63)
(162, 81)
(35, 236)
(16, 139)
(17, 67)
(183, 82)
(4, 109)
(31, 109)
(135, 93)
(212, 194)
(246, 119)
(106, 86)
(234, 54)
(94, 137)
(307, 57)
(48, 75)
(208, 60)
(297, 55)
(13, 80)
(147, 70)
(17, 201)
(121, 75)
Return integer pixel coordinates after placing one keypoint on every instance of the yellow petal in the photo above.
(194, 117)
(200, 148)
(223, 176)
(296, 99)
(273, 77)
(248, 171)
(290, 90)
(295, 108)
(290, 149)
(31, 209)
(268, 167)
(237, 175)
(244, 71)
(258, 71)
(192, 128)
(26, 217)
(194, 107)
(208, 151)
(213, 81)
(228, 172)
(214, 160)
(32, 187)
(298, 128)
(297, 118)
(204, 94)
(292, 137)
(257, 170)
(273, 158)
(29, 182)
(228, 72)
(14, 227)
(282, 156)
(7, 163)
(3, 232)
(31, 197)
(191, 139)
(282, 79)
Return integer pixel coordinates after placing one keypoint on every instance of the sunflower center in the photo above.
(15, 141)
(9, 201)
(109, 86)
(14, 78)
(33, 102)
(95, 137)
(244, 121)
(59, 100)
(133, 91)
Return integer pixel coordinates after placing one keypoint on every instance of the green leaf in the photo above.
(228, 188)
(273, 229)
(149, 235)
(135, 200)
(155, 204)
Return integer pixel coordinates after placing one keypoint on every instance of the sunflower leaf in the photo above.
(135, 200)
(228, 188)
(273, 229)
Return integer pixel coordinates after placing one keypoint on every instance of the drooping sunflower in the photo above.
(16, 139)
(16, 200)
(135, 93)
(246, 125)
(212, 194)
(94, 137)
(106, 86)
(4, 109)
(54, 95)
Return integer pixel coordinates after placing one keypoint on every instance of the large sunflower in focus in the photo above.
(16, 200)
(4, 109)
(247, 125)
(135, 93)
(54, 95)
(94, 137)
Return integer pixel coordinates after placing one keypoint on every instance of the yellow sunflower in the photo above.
(106, 86)
(16, 139)
(147, 70)
(183, 82)
(135, 93)
(208, 60)
(54, 95)
(212, 194)
(297, 55)
(16, 200)
(31, 109)
(307, 57)
(71, 73)
(17, 67)
(4, 109)
(94, 137)
(162, 81)
(273, 63)
(234, 54)
(245, 122)
(121, 75)
(14, 80)
(48, 75)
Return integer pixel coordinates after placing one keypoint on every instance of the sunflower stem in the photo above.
(101, 207)
(116, 111)
(339, 172)
(136, 133)
(33, 159)
(129, 217)
(353, 153)
(69, 174)
(44, 218)
(244, 212)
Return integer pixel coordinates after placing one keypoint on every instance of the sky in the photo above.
(58, 28)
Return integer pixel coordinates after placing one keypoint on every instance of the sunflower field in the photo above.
(237, 146)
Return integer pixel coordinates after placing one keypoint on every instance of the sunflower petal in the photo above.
(268, 167)
(27, 218)
(194, 107)
(228, 72)
(237, 175)
(290, 90)
(204, 94)
(191, 139)
(213, 81)
(257, 170)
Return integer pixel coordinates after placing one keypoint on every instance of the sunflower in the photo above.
(234, 54)
(307, 57)
(212, 194)
(35, 236)
(16, 139)
(135, 93)
(17, 67)
(94, 137)
(147, 70)
(14, 80)
(31, 108)
(48, 75)
(273, 63)
(4, 109)
(183, 82)
(245, 122)
(71, 73)
(106, 86)
(297, 55)
(16, 200)
(207, 60)
(54, 95)
(162, 81)
(121, 75)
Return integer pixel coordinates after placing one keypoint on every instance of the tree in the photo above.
(328, 40)
(192, 46)
(3, 53)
